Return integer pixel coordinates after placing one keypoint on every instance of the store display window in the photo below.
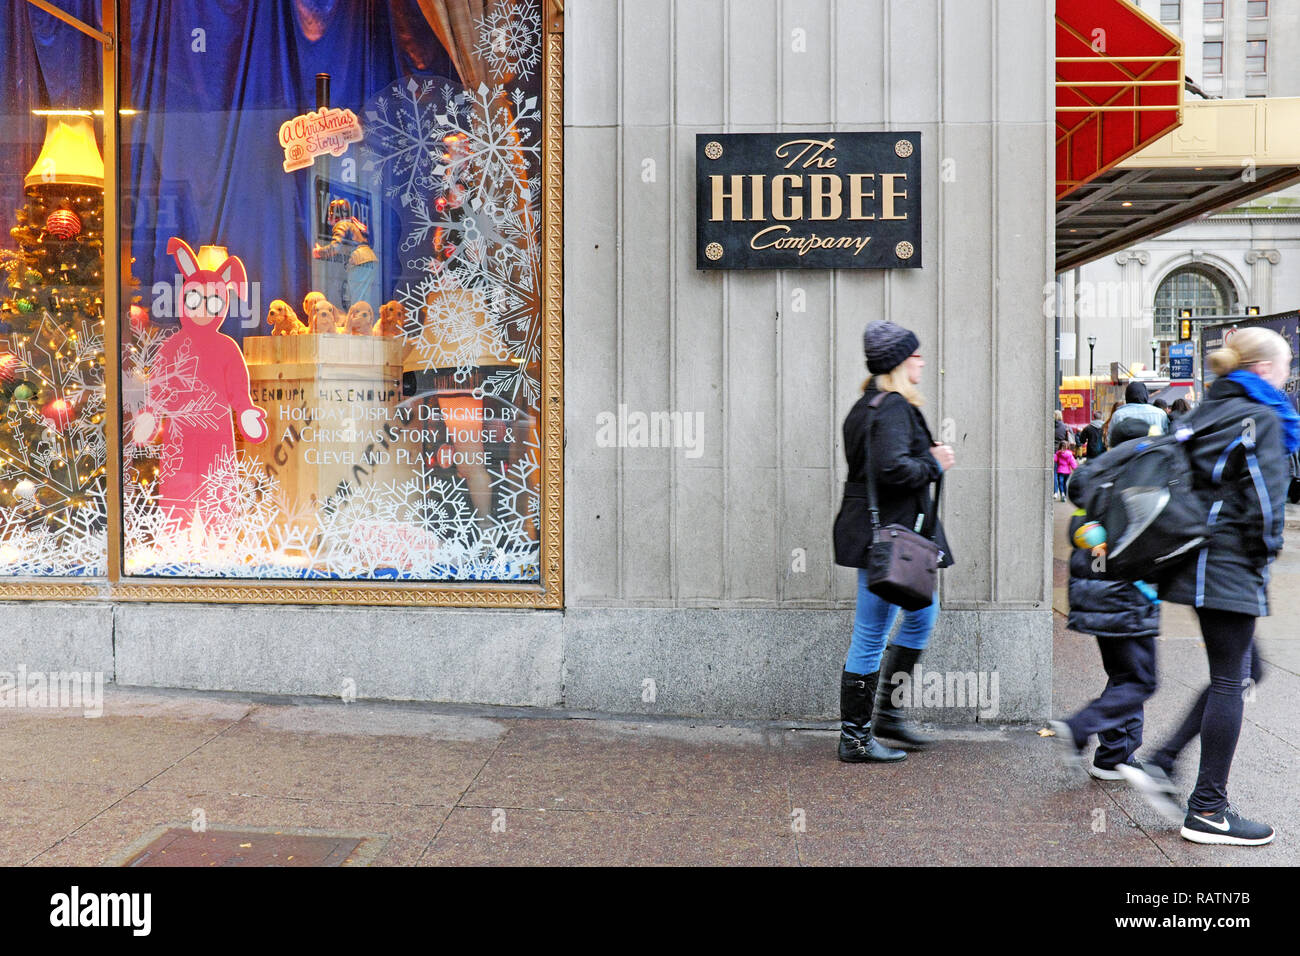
(332, 295)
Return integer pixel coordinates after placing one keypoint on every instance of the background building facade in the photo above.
(1222, 264)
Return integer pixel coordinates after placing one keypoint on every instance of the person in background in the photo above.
(1161, 404)
(1065, 465)
(1136, 417)
(1178, 409)
(1091, 441)
(1241, 436)
(1062, 430)
(1105, 428)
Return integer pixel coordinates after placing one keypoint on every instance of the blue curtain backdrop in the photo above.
(211, 81)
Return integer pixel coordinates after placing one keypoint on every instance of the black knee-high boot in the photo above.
(857, 691)
(889, 720)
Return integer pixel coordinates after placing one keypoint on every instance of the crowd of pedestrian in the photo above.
(1239, 439)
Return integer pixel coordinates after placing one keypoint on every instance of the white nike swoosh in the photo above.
(1224, 826)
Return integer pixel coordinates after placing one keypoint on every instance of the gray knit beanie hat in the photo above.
(887, 346)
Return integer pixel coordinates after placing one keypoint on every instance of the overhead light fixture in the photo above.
(1126, 203)
(70, 155)
(80, 112)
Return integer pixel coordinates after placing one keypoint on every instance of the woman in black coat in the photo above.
(1239, 439)
(884, 431)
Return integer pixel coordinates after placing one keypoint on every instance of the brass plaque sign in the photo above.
(801, 200)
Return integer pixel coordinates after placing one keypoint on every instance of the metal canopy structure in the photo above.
(1224, 153)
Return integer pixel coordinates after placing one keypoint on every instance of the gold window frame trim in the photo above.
(548, 594)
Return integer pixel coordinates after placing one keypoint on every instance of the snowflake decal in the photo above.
(419, 528)
(58, 526)
(403, 139)
(510, 40)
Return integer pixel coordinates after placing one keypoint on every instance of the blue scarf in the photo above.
(1276, 399)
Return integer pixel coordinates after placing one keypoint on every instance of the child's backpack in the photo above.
(1141, 492)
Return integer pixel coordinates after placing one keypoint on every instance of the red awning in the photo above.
(1119, 86)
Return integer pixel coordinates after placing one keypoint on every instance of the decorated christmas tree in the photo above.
(52, 448)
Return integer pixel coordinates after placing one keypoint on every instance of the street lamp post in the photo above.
(1155, 344)
(1092, 404)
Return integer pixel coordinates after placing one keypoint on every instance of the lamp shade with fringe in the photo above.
(70, 155)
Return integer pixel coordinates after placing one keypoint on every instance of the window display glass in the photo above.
(331, 339)
(53, 456)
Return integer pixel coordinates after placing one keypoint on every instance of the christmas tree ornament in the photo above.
(25, 490)
(23, 392)
(26, 306)
(63, 224)
(59, 413)
(8, 363)
(139, 318)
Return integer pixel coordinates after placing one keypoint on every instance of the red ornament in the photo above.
(58, 413)
(8, 364)
(139, 318)
(63, 224)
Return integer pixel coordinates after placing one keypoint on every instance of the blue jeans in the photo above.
(873, 622)
(1062, 479)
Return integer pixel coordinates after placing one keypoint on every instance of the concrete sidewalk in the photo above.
(434, 785)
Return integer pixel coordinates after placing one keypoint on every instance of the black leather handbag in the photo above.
(902, 564)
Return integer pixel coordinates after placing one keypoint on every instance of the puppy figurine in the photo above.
(283, 320)
(392, 316)
(325, 318)
(309, 305)
(360, 318)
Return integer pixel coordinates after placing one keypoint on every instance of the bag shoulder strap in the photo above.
(932, 519)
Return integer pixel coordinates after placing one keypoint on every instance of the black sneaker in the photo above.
(1226, 826)
(1154, 785)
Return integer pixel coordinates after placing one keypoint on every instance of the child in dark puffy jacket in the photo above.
(1124, 617)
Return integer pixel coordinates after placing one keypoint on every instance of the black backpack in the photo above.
(1141, 492)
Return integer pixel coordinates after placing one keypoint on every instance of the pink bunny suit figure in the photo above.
(199, 378)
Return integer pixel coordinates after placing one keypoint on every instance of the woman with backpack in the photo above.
(886, 433)
(1239, 440)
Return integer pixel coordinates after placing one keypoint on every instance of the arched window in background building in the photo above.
(1202, 288)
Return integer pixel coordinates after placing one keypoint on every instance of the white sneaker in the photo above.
(1155, 787)
(1102, 773)
(1069, 751)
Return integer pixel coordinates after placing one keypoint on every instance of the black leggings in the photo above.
(1228, 640)
(1190, 728)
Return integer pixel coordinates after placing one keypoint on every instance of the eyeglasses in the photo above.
(195, 300)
